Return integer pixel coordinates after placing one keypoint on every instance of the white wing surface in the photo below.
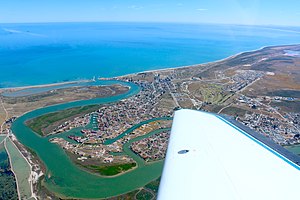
(208, 157)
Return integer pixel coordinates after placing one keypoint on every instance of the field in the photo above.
(112, 170)
(234, 111)
(210, 93)
(17, 106)
(44, 124)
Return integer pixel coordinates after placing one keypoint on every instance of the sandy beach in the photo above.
(13, 89)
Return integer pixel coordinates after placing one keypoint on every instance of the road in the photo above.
(6, 116)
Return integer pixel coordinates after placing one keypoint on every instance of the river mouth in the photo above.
(63, 177)
(38, 89)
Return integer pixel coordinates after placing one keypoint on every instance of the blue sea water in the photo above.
(33, 54)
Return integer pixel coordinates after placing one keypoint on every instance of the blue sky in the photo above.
(254, 12)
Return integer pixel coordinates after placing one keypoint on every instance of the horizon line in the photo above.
(150, 22)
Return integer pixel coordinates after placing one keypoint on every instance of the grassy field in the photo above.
(112, 170)
(235, 111)
(44, 124)
(211, 93)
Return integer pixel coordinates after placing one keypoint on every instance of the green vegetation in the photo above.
(8, 187)
(112, 170)
(153, 186)
(210, 93)
(29, 98)
(4, 163)
(46, 123)
(235, 111)
(144, 195)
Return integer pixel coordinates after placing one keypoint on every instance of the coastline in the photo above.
(13, 89)
(199, 64)
(151, 71)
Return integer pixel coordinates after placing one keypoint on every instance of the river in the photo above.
(63, 177)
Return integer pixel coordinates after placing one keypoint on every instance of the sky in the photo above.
(249, 12)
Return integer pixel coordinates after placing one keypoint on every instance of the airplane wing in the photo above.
(210, 157)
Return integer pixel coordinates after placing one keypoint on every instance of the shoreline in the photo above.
(200, 64)
(13, 89)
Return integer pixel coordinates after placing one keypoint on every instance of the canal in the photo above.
(63, 177)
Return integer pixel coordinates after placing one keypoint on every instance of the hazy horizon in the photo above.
(155, 22)
(231, 12)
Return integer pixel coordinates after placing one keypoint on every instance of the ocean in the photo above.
(42, 53)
